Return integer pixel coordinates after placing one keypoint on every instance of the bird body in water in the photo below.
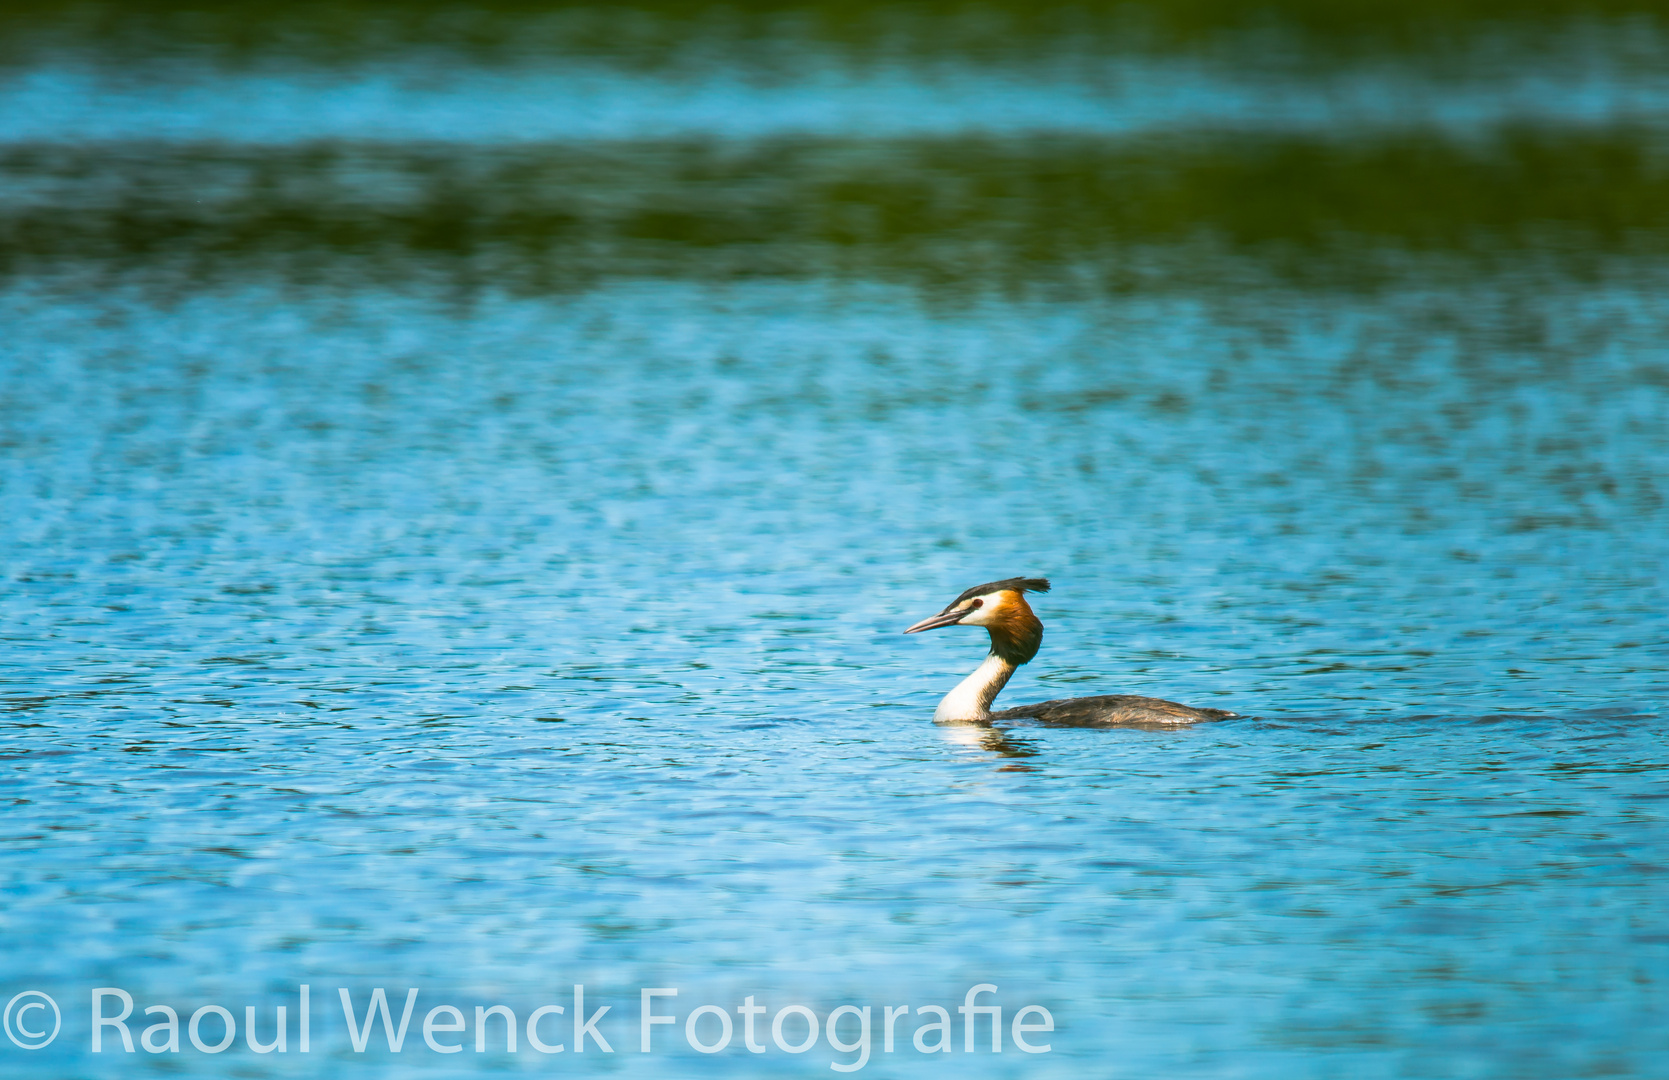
(1016, 634)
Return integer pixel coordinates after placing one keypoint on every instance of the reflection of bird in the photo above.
(1016, 633)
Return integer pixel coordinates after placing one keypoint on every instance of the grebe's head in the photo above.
(1000, 607)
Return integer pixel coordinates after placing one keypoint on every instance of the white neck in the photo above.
(972, 698)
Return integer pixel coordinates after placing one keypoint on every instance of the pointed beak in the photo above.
(943, 618)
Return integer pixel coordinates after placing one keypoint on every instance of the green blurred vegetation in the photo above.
(652, 31)
(978, 212)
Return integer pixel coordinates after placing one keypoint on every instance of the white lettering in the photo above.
(748, 1011)
(101, 1021)
(846, 1048)
(170, 1025)
(431, 1025)
(942, 1027)
(1021, 1027)
(590, 1025)
(249, 1032)
(969, 1011)
(533, 1029)
(776, 1028)
(891, 1015)
(724, 1029)
(360, 1035)
(481, 1027)
(647, 999)
(196, 1024)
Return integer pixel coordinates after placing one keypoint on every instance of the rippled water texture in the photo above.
(472, 556)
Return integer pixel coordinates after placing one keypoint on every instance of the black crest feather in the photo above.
(1017, 584)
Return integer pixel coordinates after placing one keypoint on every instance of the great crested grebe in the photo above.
(1016, 634)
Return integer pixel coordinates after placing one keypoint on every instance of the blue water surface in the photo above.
(489, 642)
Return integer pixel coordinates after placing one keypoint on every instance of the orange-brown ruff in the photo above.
(1016, 635)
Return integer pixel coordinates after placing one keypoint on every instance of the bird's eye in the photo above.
(976, 604)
